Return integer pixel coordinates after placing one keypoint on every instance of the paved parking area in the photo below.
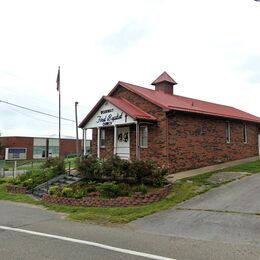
(230, 214)
(238, 196)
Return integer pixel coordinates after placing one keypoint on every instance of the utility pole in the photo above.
(77, 129)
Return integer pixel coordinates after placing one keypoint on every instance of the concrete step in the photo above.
(38, 193)
(65, 180)
(69, 182)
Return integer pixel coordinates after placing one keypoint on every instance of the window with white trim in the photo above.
(102, 137)
(144, 136)
(245, 134)
(228, 132)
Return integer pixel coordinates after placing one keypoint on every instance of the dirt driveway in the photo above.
(230, 213)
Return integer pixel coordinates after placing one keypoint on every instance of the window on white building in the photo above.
(144, 136)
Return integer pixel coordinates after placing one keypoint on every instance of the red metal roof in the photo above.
(130, 109)
(175, 102)
(124, 105)
(168, 102)
(164, 77)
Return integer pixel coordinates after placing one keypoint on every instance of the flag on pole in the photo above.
(58, 80)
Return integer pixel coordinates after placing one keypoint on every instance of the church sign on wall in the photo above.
(109, 115)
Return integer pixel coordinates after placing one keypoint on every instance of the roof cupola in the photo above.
(164, 83)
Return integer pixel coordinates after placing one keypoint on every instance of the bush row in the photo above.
(106, 190)
(138, 171)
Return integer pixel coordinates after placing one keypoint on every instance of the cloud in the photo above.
(125, 38)
(251, 68)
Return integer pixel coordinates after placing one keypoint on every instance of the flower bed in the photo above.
(97, 201)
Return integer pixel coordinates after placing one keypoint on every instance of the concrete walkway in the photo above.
(185, 174)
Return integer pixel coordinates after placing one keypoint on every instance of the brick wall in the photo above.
(157, 145)
(197, 141)
(135, 200)
(156, 133)
(193, 140)
(16, 189)
(18, 142)
(108, 150)
(68, 146)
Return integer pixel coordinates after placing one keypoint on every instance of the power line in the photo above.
(42, 120)
(35, 111)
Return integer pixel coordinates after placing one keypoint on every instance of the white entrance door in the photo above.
(123, 142)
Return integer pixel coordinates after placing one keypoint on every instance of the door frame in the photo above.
(127, 155)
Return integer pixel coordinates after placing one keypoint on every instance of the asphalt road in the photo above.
(229, 214)
(199, 230)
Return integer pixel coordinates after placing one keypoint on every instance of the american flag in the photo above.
(58, 80)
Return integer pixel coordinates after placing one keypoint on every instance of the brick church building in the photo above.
(179, 133)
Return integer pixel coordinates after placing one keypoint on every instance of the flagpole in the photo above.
(58, 88)
(59, 124)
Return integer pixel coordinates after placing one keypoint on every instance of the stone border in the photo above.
(16, 189)
(115, 202)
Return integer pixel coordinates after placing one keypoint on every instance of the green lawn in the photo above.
(252, 167)
(23, 164)
(16, 197)
(181, 191)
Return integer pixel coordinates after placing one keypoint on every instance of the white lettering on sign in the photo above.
(109, 115)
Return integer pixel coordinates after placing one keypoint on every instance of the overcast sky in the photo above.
(211, 48)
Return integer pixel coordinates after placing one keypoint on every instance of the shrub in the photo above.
(115, 167)
(141, 169)
(54, 190)
(109, 189)
(57, 164)
(89, 166)
(67, 192)
(91, 187)
(14, 181)
(79, 194)
(159, 177)
(29, 183)
(148, 172)
(124, 190)
(112, 190)
(33, 178)
(142, 188)
(23, 177)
